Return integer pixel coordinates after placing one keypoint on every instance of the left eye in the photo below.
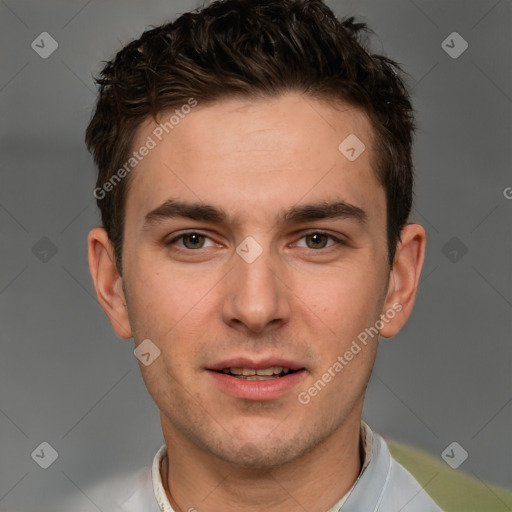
(192, 241)
(318, 240)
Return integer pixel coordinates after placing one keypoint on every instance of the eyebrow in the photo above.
(324, 210)
(294, 215)
(195, 211)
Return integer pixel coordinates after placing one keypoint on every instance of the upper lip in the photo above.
(257, 364)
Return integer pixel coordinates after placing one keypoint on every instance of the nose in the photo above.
(256, 297)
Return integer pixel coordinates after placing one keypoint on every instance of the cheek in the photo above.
(346, 299)
(164, 300)
(171, 308)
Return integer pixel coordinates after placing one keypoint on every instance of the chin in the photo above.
(263, 452)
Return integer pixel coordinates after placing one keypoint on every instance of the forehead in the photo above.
(256, 155)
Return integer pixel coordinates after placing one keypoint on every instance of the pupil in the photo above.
(317, 239)
(195, 240)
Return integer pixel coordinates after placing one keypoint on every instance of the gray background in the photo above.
(65, 377)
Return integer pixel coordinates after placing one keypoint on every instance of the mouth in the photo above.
(250, 379)
(270, 373)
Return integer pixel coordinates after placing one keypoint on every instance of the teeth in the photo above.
(266, 371)
(262, 372)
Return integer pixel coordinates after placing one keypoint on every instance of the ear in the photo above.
(404, 279)
(107, 281)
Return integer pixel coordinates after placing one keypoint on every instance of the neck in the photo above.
(194, 479)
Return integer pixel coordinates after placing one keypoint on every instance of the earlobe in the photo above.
(107, 281)
(404, 278)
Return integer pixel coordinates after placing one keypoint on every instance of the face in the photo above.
(252, 242)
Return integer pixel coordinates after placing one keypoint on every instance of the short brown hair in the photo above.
(251, 48)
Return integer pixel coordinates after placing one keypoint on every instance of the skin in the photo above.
(305, 298)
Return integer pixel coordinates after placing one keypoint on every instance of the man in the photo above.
(255, 181)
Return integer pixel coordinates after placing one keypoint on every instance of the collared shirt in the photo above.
(383, 485)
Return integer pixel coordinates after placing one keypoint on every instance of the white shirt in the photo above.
(383, 485)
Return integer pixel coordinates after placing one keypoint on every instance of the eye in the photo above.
(191, 240)
(319, 240)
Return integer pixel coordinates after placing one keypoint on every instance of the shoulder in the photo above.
(453, 489)
(142, 497)
(131, 492)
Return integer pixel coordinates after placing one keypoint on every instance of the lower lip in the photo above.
(256, 389)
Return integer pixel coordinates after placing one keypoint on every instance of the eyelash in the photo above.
(332, 237)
